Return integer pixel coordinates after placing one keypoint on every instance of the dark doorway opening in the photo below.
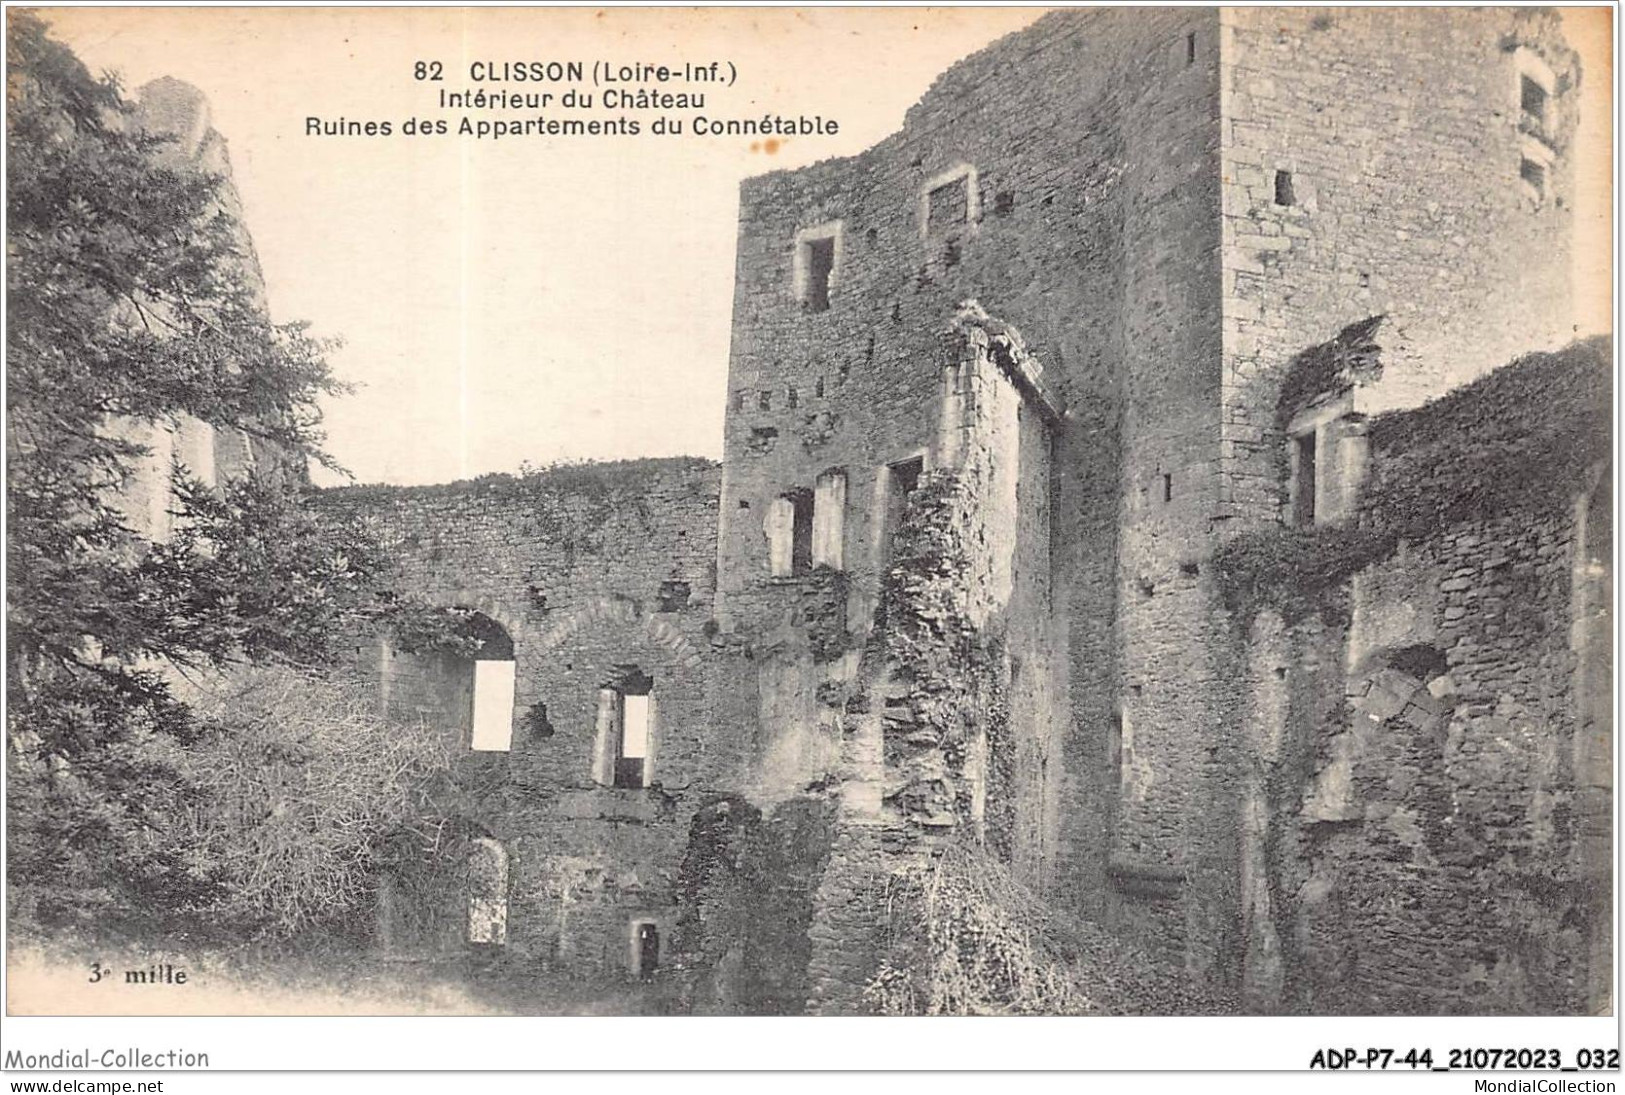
(903, 479)
(648, 951)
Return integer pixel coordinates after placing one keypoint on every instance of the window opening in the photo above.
(948, 204)
(1114, 748)
(493, 706)
(1534, 174)
(1303, 501)
(819, 259)
(631, 706)
(1283, 188)
(801, 542)
(634, 747)
(902, 480)
(1532, 98)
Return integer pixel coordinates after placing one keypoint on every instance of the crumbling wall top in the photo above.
(175, 108)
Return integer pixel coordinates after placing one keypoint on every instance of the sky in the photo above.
(539, 299)
(527, 299)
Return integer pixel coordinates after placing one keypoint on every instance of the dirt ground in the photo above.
(71, 980)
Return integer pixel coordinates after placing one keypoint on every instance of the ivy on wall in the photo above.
(1331, 368)
(574, 507)
(590, 479)
(954, 668)
(822, 609)
(1520, 439)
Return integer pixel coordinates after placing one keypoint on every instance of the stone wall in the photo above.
(1004, 391)
(179, 112)
(1418, 853)
(750, 886)
(1160, 203)
(591, 571)
(1087, 149)
(1402, 134)
(1421, 804)
(1403, 198)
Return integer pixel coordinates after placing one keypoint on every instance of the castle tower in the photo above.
(170, 108)
(1158, 209)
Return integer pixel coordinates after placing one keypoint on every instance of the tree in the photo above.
(132, 299)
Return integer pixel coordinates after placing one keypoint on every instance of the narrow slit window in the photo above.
(645, 949)
(1190, 48)
(1303, 480)
(818, 258)
(628, 730)
(801, 541)
(1167, 487)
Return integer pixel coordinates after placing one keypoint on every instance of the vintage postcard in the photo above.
(1096, 512)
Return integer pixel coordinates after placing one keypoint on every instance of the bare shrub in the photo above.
(301, 781)
(962, 942)
(965, 937)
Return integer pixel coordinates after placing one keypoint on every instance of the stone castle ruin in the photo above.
(169, 108)
(1081, 500)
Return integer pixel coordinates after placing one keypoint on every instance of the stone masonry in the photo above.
(1423, 812)
(179, 112)
(593, 574)
(1127, 296)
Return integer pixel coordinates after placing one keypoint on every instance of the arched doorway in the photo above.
(644, 956)
(462, 681)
